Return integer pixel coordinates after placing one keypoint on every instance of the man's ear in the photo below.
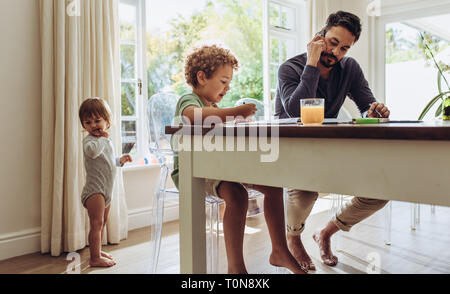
(201, 77)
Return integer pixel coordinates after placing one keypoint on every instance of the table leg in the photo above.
(192, 218)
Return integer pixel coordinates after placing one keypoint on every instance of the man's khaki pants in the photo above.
(300, 203)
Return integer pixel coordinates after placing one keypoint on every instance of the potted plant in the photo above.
(444, 94)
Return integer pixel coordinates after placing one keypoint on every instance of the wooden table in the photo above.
(405, 162)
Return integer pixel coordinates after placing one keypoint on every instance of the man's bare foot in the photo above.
(285, 259)
(101, 262)
(106, 254)
(296, 248)
(324, 243)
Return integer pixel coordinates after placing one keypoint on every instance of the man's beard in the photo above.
(326, 55)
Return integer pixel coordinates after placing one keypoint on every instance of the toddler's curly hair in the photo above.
(207, 59)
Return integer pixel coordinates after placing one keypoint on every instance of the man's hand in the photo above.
(125, 158)
(315, 48)
(378, 110)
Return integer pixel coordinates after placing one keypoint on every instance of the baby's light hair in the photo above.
(95, 107)
(207, 59)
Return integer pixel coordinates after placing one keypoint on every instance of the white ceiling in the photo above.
(437, 25)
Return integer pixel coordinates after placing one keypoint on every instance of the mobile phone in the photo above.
(321, 33)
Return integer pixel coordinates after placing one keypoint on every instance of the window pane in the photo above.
(127, 18)
(175, 26)
(274, 14)
(128, 135)
(287, 49)
(274, 50)
(128, 99)
(405, 57)
(127, 61)
(283, 50)
(273, 76)
(287, 19)
(272, 96)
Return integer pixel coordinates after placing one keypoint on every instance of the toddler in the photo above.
(100, 164)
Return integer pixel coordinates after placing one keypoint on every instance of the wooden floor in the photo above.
(424, 250)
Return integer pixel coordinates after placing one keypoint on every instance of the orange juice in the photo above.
(312, 115)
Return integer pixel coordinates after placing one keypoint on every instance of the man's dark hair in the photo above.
(347, 20)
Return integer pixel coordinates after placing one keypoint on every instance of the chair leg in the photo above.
(337, 203)
(388, 219)
(415, 210)
(212, 238)
(209, 233)
(158, 218)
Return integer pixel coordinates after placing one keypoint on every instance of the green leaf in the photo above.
(439, 81)
(438, 110)
(431, 103)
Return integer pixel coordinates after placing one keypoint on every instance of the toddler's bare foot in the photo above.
(107, 255)
(324, 244)
(295, 246)
(285, 259)
(101, 262)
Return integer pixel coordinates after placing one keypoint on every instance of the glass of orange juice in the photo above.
(312, 111)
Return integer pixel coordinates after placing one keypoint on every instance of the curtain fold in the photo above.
(319, 11)
(80, 59)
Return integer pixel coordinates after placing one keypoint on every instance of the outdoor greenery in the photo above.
(429, 46)
(236, 24)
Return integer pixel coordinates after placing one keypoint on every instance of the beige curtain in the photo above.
(80, 59)
(319, 11)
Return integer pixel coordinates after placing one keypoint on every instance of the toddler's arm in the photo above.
(224, 114)
(120, 161)
(93, 147)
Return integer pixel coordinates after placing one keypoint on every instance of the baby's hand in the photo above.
(125, 158)
(103, 133)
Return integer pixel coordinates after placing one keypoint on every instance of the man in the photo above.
(325, 72)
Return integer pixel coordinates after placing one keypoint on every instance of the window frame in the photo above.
(140, 77)
(391, 12)
(297, 35)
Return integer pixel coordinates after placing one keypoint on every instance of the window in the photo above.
(156, 36)
(411, 79)
(132, 61)
(282, 41)
(402, 78)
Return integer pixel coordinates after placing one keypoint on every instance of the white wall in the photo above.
(140, 185)
(20, 107)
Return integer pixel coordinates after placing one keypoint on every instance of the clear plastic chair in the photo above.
(415, 214)
(338, 200)
(160, 113)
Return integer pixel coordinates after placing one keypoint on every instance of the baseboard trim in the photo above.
(29, 241)
(20, 243)
(142, 217)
